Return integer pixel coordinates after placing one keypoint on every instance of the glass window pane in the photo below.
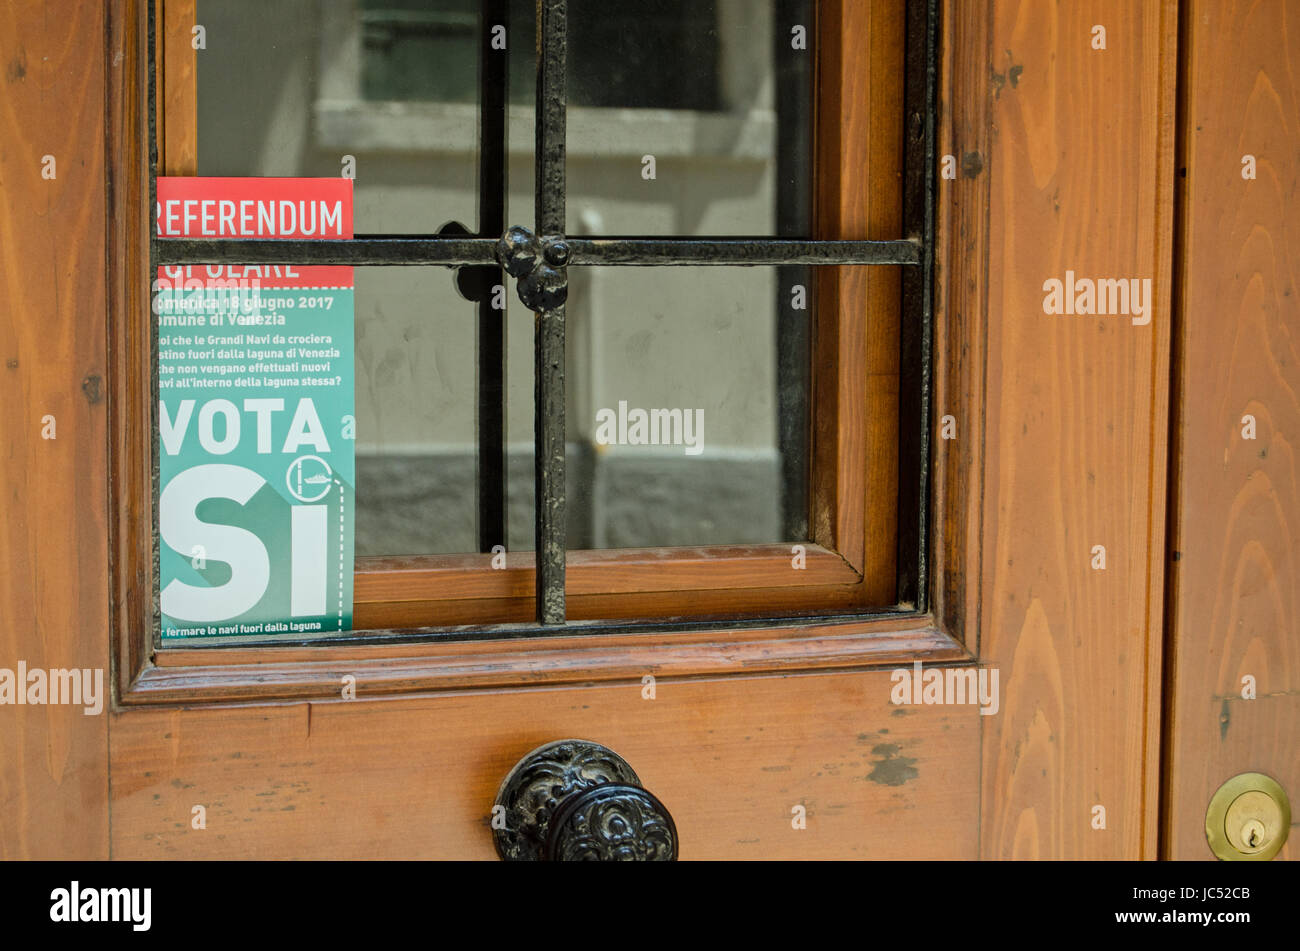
(415, 49)
(295, 87)
(415, 403)
(685, 424)
(690, 117)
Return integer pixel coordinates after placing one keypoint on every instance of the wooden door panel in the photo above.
(416, 778)
(1066, 162)
(1077, 146)
(53, 491)
(1062, 421)
(1235, 584)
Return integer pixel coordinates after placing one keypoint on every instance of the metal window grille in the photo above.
(539, 259)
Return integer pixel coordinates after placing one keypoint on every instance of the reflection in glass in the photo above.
(286, 89)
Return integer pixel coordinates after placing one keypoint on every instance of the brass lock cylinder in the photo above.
(1248, 819)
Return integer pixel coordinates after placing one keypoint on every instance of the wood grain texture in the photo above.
(427, 590)
(626, 570)
(178, 126)
(1080, 163)
(417, 778)
(243, 674)
(1235, 583)
(131, 388)
(383, 618)
(53, 492)
(961, 316)
(856, 341)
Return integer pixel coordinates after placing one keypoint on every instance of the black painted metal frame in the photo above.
(540, 262)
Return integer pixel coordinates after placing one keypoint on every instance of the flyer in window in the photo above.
(256, 423)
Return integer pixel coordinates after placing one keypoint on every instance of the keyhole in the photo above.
(1252, 834)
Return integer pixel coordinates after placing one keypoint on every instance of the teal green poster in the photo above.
(256, 430)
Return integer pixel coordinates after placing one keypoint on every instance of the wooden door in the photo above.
(1232, 650)
(1047, 528)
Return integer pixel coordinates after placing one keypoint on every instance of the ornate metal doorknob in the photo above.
(574, 800)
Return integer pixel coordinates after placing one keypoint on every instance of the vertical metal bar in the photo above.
(494, 73)
(793, 148)
(548, 421)
(921, 84)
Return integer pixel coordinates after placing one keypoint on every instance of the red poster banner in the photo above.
(312, 208)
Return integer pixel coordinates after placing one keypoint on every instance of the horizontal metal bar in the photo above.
(449, 251)
(454, 251)
(742, 252)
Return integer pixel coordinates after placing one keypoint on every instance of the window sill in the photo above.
(316, 673)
